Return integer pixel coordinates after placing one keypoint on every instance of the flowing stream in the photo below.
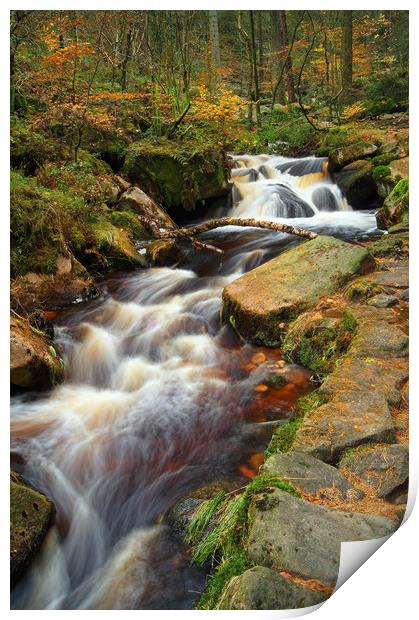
(160, 399)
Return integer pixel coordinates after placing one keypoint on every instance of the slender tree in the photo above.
(346, 56)
(288, 63)
(215, 47)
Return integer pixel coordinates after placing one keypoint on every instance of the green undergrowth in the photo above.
(283, 438)
(48, 222)
(218, 531)
(317, 345)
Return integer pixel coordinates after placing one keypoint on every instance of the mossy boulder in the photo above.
(31, 515)
(259, 304)
(177, 175)
(152, 216)
(34, 363)
(317, 341)
(49, 223)
(395, 245)
(395, 209)
(342, 156)
(357, 184)
(263, 588)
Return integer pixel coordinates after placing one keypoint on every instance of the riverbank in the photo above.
(338, 470)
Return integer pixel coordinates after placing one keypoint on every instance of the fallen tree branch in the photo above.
(192, 231)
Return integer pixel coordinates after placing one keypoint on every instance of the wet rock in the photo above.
(384, 468)
(345, 155)
(303, 538)
(31, 515)
(259, 304)
(34, 363)
(307, 473)
(357, 184)
(166, 252)
(369, 374)
(350, 419)
(383, 301)
(379, 339)
(152, 216)
(33, 291)
(263, 588)
(405, 295)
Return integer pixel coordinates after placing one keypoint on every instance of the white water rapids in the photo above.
(158, 400)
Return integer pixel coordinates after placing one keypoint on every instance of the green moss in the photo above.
(48, 222)
(283, 438)
(380, 173)
(385, 159)
(177, 173)
(362, 289)
(128, 220)
(233, 566)
(318, 344)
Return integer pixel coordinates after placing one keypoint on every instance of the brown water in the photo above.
(159, 399)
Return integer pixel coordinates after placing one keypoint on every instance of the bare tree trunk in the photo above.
(347, 56)
(215, 47)
(256, 94)
(279, 91)
(192, 231)
(288, 63)
(261, 59)
(124, 66)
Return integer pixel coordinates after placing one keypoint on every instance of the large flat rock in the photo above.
(263, 588)
(259, 304)
(350, 419)
(304, 539)
(368, 374)
(307, 473)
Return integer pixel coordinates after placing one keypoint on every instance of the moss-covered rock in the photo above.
(395, 245)
(341, 157)
(49, 223)
(34, 363)
(317, 341)
(177, 174)
(361, 289)
(31, 515)
(152, 216)
(357, 184)
(395, 209)
(259, 304)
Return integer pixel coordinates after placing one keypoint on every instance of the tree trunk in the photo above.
(215, 48)
(288, 63)
(124, 66)
(275, 58)
(261, 58)
(256, 93)
(346, 56)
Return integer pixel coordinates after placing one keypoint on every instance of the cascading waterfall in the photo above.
(158, 400)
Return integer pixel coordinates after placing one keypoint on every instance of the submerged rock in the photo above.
(307, 473)
(357, 184)
(167, 252)
(303, 538)
(263, 588)
(384, 468)
(345, 155)
(34, 363)
(31, 515)
(260, 303)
